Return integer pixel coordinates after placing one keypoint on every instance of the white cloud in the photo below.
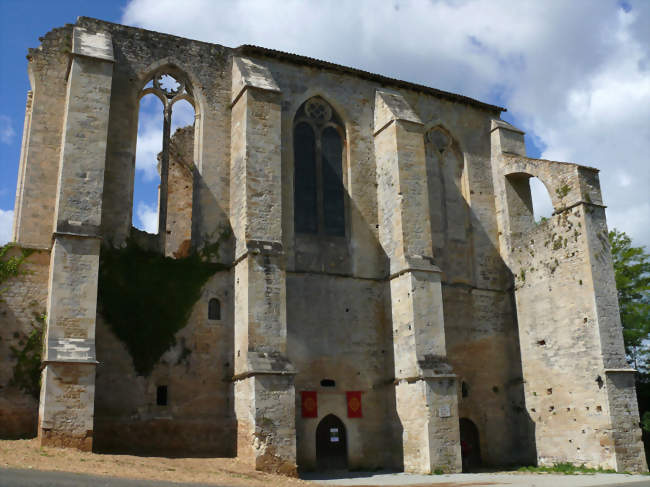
(147, 217)
(182, 115)
(6, 225)
(7, 132)
(150, 126)
(575, 75)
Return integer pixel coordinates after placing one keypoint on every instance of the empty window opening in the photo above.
(161, 396)
(147, 178)
(464, 389)
(542, 205)
(328, 383)
(214, 309)
(529, 203)
(163, 181)
(319, 194)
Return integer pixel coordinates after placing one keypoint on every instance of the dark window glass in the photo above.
(161, 396)
(214, 309)
(305, 209)
(333, 196)
(328, 383)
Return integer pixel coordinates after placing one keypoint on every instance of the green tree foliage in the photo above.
(632, 270)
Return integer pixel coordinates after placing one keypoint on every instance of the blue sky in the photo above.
(574, 75)
(21, 24)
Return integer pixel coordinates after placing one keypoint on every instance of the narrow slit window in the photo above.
(214, 309)
(161, 396)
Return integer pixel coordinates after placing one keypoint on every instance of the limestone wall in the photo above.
(199, 417)
(483, 350)
(436, 228)
(179, 196)
(22, 306)
(39, 162)
(337, 330)
(141, 54)
(579, 390)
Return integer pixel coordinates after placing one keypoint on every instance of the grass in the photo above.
(568, 469)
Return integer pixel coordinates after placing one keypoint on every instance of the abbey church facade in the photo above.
(347, 271)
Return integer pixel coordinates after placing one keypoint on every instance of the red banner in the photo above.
(309, 401)
(354, 404)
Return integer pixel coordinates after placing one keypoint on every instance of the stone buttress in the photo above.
(264, 377)
(425, 387)
(579, 389)
(68, 377)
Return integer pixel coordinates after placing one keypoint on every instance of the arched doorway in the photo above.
(331, 444)
(470, 445)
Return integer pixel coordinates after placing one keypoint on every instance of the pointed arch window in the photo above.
(170, 86)
(447, 185)
(319, 195)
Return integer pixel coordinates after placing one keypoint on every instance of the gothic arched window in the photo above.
(157, 197)
(319, 196)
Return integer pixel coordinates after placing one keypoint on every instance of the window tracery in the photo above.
(170, 86)
(319, 196)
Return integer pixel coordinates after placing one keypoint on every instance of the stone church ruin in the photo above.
(348, 272)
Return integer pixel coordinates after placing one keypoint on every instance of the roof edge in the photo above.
(250, 49)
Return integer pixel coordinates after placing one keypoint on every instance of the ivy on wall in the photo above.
(10, 267)
(147, 298)
(27, 371)
(28, 352)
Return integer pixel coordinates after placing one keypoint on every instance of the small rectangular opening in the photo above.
(161, 396)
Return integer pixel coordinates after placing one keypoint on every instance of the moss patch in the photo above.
(147, 298)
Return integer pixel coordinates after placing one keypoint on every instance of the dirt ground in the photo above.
(222, 471)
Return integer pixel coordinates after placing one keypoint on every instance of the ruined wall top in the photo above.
(96, 25)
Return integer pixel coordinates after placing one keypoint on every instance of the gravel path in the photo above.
(514, 479)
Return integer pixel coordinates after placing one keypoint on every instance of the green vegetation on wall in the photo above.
(27, 371)
(147, 298)
(10, 267)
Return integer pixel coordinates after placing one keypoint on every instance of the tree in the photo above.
(632, 272)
